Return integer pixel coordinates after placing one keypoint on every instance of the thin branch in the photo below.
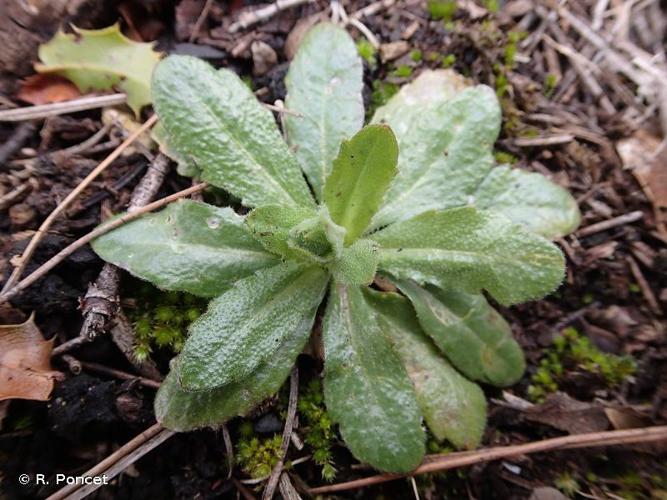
(200, 20)
(272, 483)
(610, 223)
(136, 444)
(19, 136)
(96, 233)
(248, 18)
(112, 372)
(437, 463)
(39, 234)
(60, 108)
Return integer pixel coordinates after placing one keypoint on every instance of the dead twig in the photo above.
(610, 223)
(272, 483)
(16, 141)
(96, 233)
(100, 303)
(115, 463)
(436, 463)
(39, 234)
(644, 286)
(105, 370)
(248, 18)
(200, 20)
(60, 108)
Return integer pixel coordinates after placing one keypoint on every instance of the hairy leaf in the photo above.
(464, 248)
(324, 85)
(189, 246)
(243, 327)
(475, 338)
(214, 121)
(444, 154)
(428, 90)
(101, 60)
(529, 199)
(454, 407)
(181, 410)
(366, 388)
(271, 225)
(357, 264)
(361, 173)
(445, 133)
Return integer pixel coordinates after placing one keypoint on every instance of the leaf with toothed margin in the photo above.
(189, 246)
(181, 410)
(454, 408)
(473, 336)
(213, 121)
(468, 249)
(366, 388)
(243, 327)
(324, 84)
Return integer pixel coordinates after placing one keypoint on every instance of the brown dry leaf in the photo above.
(47, 88)
(638, 154)
(562, 412)
(25, 363)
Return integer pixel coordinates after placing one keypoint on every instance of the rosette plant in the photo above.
(413, 198)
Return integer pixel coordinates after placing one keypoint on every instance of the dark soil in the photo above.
(615, 292)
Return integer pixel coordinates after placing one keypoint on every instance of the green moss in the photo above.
(416, 55)
(161, 319)
(513, 39)
(571, 351)
(402, 71)
(634, 288)
(382, 92)
(448, 61)
(491, 5)
(442, 9)
(257, 457)
(567, 483)
(320, 434)
(550, 82)
(502, 157)
(367, 52)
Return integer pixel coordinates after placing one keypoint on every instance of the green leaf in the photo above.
(101, 60)
(189, 246)
(430, 89)
(357, 264)
(271, 225)
(454, 407)
(445, 133)
(184, 167)
(366, 388)
(473, 336)
(180, 410)
(464, 248)
(214, 121)
(361, 173)
(324, 85)
(529, 199)
(445, 152)
(243, 327)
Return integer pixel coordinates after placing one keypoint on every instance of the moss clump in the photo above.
(367, 52)
(320, 434)
(382, 92)
(257, 457)
(402, 71)
(571, 351)
(161, 319)
(442, 9)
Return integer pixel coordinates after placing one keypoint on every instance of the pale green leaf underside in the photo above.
(214, 121)
(101, 60)
(361, 173)
(454, 407)
(445, 133)
(324, 85)
(181, 410)
(366, 388)
(529, 199)
(473, 336)
(243, 327)
(472, 250)
(189, 246)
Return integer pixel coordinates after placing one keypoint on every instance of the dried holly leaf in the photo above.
(47, 88)
(638, 153)
(25, 368)
(102, 60)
